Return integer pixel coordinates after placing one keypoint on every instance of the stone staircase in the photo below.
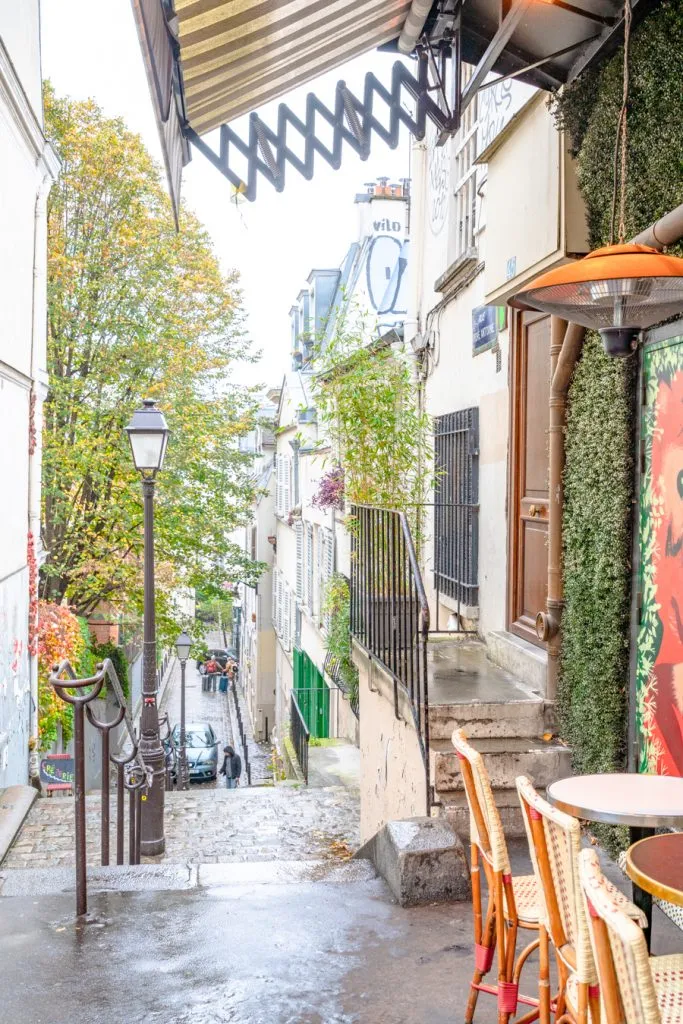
(503, 718)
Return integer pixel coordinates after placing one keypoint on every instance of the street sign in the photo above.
(486, 322)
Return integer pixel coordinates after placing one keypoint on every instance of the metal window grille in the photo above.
(456, 508)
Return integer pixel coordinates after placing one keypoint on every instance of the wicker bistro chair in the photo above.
(635, 988)
(512, 901)
(555, 842)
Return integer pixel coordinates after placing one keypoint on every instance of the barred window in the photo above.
(456, 508)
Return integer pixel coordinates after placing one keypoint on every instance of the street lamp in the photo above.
(148, 436)
(182, 646)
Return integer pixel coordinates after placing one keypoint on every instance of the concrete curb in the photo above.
(182, 877)
(15, 803)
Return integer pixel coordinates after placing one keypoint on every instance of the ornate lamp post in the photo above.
(182, 646)
(148, 436)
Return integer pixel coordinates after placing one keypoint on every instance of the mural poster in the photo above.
(659, 679)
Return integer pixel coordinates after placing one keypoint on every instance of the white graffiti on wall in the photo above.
(14, 678)
(496, 106)
(439, 174)
(385, 273)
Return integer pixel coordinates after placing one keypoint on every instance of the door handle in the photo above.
(535, 510)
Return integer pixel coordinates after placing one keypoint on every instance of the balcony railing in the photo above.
(389, 609)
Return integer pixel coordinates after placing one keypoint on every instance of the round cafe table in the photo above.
(641, 802)
(656, 865)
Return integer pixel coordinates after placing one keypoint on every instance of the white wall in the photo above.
(27, 168)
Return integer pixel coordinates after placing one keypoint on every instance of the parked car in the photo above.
(202, 749)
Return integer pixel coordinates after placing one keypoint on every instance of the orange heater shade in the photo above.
(618, 290)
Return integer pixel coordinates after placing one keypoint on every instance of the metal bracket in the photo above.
(353, 121)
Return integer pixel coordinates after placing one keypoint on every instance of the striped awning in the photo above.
(236, 55)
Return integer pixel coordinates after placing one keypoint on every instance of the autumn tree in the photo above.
(135, 309)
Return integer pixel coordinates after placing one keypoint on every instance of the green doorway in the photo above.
(312, 694)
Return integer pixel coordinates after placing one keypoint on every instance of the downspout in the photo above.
(566, 342)
(565, 349)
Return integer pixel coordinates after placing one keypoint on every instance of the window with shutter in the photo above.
(280, 591)
(309, 567)
(287, 620)
(327, 571)
(286, 485)
(299, 560)
(273, 598)
(278, 485)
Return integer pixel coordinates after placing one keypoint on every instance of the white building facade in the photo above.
(27, 170)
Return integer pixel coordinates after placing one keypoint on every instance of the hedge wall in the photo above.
(600, 425)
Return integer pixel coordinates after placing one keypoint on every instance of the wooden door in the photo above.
(529, 475)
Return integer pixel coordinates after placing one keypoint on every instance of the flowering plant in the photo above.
(59, 636)
(330, 493)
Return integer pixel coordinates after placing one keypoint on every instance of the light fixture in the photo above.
(618, 290)
(148, 435)
(182, 646)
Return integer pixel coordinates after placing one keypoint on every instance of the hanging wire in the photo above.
(621, 141)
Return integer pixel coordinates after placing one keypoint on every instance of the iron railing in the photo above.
(132, 773)
(242, 732)
(332, 667)
(389, 609)
(299, 734)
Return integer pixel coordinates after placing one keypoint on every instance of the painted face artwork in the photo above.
(662, 720)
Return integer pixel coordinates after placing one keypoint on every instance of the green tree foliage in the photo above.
(337, 607)
(135, 309)
(368, 402)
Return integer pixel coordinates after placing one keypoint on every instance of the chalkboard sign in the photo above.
(57, 770)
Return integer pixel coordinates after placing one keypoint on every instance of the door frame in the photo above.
(517, 417)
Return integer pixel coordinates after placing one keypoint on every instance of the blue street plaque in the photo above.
(484, 328)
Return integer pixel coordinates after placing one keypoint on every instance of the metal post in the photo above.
(182, 767)
(79, 794)
(105, 797)
(119, 814)
(132, 843)
(152, 840)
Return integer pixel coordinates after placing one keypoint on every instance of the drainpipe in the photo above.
(565, 349)
(413, 25)
(566, 341)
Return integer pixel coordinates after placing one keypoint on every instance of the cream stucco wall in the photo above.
(392, 771)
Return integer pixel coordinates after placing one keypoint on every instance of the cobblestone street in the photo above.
(207, 826)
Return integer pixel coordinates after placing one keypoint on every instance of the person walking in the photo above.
(213, 670)
(232, 767)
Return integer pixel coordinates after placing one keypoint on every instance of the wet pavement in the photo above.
(203, 706)
(298, 953)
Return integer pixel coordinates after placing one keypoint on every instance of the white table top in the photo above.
(641, 801)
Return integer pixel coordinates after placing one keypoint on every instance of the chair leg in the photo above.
(485, 942)
(543, 977)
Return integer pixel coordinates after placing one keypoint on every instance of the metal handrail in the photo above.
(300, 734)
(133, 773)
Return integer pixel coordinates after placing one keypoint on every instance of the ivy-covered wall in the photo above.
(600, 426)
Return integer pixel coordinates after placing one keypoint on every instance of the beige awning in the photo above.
(238, 54)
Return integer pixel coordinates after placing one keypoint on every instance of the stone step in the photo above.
(466, 690)
(505, 759)
(453, 806)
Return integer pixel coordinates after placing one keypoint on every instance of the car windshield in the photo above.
(195, 736)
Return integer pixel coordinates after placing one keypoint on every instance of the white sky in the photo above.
(91, 49)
